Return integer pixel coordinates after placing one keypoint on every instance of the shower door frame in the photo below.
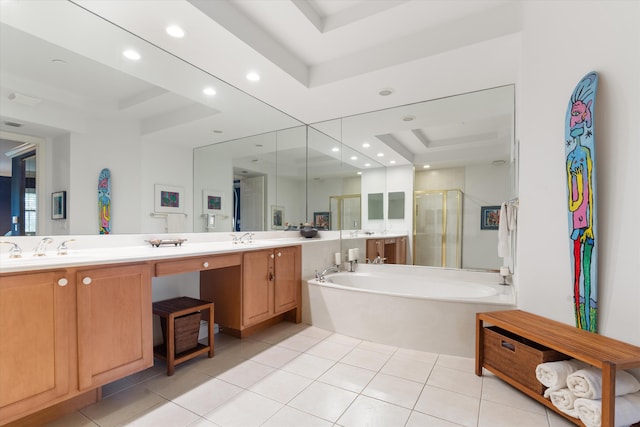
(443, 246)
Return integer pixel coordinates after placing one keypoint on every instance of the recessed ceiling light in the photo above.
(131, 54)
(354, 157)
(359, 172)
(386, 91)
(380, 154)
(392, 162)
(253, 76)
(367, 164)
(426, 166)
(366, 145)
(175, 31)
(335, 149)
(209, 91)
(408, 118)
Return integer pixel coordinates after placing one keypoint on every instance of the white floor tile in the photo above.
(343, 339)
(291, 417)
(330, 350)
(409, 369)
(369, 412)
(165, 414)
(244, 410)
(496, 415)
(448, 405)
(308, 366)
(418, 419)
(366, 359)
(299, 342)
(497, 391)
(74, 419)
(556, 420)
(451, 379)
(315, 332)
(379, 348)
(207, 396)
(281, 386)
(123, 406)
(422, 356)
(246, 373)
(464, 364)
(348, 377)
(394, 390)
(275, 356)
(324, 401)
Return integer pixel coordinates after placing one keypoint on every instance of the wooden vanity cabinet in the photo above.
(37, 334)
(115, 336)
(270, 286)
(392, 249)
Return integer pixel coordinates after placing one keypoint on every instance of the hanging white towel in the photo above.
(176, 223)
(504, 243)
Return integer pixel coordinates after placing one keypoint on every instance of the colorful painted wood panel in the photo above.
(104, 201)
(581, 191)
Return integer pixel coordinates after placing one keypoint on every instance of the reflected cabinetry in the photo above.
(393, 250)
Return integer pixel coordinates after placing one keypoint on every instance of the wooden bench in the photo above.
(605, 353)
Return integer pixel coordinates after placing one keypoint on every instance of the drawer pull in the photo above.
(86, 280)
(507, 345)
(205, 264)
(272, 256)
(279, 253)
(63, 282)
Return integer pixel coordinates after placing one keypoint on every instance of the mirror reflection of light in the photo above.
(175, 31)
(380, 154)
(392, 162)
(426, 166)
(359, 172)
(209, 91)
(335, 149)
(131, 54)
(253, 76)
(366, 145)
(367, 164)
(354, 157)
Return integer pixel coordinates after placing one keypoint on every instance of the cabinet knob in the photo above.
(205, 264)
(272, 256)
(63, 282)
(86, 280)
(279, 253)
(271, 277)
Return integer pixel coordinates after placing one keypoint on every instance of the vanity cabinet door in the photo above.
(287, 278)
(37, 332)
(375, 248)
(401, 248)
(257, 286)
(114, 323)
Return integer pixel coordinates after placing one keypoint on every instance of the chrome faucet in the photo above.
(320, 277)
(248, 236)
(41, 249)
(62, 247)
(377, 260)
(15, 251)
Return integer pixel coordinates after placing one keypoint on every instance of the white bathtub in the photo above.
(422, 308)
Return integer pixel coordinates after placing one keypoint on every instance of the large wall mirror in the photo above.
(450, 157)
(83, 107)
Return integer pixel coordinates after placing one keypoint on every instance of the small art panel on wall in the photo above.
(580, 182)
(489, 217)
(59, 205)
(322, 220)
(169, 199)
(104, 201)
(212, 201)
(277, 217)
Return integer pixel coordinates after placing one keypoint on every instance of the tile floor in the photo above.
(303, 376)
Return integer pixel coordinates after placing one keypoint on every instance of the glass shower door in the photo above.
(438, 228)
(345, 212)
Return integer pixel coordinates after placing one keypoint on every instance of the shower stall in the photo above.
(437, 228)
(346, 212)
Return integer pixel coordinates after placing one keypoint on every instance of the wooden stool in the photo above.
(171, 309)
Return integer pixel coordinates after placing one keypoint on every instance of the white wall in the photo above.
(562, 41)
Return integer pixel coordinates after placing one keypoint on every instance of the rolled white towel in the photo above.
(587, 383)
(627, 410)
(564, 400)
(554, 374)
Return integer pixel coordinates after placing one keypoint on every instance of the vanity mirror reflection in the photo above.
(87, 107)
(460, 145)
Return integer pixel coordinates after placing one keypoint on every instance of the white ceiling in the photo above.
(319, 59)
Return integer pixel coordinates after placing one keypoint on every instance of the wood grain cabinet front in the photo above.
(37, 332)
(114, 323)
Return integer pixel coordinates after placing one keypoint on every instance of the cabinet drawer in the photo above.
(186, 265)
(516, 357)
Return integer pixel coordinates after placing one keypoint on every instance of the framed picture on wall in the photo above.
(212, 201)
(489, 217)
(277, 217)
(169, 199)
(322, 220)
(59, 205)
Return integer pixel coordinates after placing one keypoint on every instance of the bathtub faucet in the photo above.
(378, 260)
(320, 277)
